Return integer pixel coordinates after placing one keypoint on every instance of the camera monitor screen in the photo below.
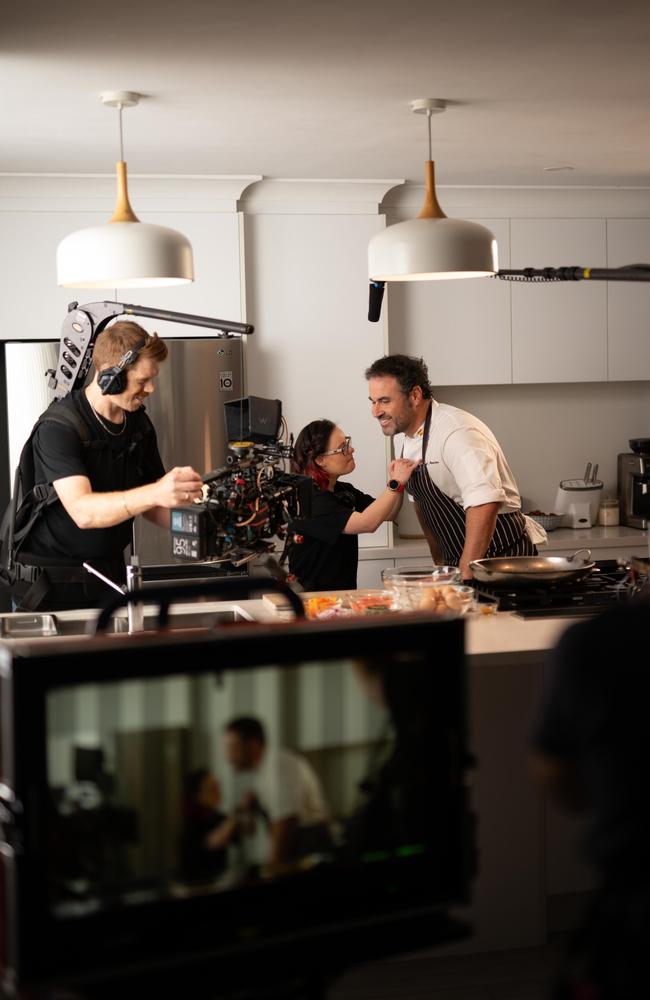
(258, 788)
(253, 419)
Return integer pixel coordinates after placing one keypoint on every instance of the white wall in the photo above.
(307, 294)
(550, 432)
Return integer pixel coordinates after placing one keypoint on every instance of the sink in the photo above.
(22, 625)
(177, 619)
(29, 626)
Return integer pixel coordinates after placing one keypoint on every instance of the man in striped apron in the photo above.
(465, 495)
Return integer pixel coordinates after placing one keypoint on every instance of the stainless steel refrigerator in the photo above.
(198, 377)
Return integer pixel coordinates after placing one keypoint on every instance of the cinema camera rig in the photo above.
(249, 502)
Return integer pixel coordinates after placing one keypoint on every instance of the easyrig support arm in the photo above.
(630, 272)
(83, 323)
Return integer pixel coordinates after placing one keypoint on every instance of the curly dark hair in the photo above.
(310, 445)
(247, 727)
(408, 371)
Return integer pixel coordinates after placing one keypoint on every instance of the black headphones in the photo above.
(112, 381)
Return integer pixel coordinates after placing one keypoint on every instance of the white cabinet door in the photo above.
(628, 303)
(460, 328)
(559, 330)
(369, 572)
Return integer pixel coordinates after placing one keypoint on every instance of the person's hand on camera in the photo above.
(179, 486)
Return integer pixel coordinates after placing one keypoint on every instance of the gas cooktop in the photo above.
(609, 583)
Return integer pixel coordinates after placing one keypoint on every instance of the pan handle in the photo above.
(577, 553)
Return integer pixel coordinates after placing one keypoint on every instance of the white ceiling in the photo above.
(286, 88)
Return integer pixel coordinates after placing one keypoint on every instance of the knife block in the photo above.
(578, 501)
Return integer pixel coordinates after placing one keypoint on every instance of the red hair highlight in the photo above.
(320, 477)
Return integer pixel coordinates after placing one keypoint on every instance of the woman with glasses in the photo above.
(325, 550)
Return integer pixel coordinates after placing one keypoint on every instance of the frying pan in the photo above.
(520, 571)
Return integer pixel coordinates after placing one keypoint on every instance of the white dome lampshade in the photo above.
(432, 246)
(124, 252)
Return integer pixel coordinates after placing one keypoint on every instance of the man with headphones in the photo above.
(102, 461)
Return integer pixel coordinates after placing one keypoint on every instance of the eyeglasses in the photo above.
(341, 450)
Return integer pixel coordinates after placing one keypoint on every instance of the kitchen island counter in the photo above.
(506, 664)
(500, 637)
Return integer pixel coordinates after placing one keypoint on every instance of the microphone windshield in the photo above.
(376, 294)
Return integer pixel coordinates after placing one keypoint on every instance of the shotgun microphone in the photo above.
(376, 294)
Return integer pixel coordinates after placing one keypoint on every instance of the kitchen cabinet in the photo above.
(369, 572)
(487, 332)
(628, 304)
(462, 328)
(559, 331)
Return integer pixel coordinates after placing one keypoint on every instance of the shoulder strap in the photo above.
(64, 412)
(29, 498)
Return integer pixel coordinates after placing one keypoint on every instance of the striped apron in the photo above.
(446, 518)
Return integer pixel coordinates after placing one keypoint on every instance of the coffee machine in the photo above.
(634, 486)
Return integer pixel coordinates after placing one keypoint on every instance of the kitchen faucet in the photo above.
(133, 582)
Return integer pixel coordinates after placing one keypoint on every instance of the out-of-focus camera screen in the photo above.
(200, 784)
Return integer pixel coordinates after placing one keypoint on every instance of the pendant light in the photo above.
(124, 252)
(432, 246)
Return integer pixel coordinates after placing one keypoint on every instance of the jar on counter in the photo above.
(608, 513)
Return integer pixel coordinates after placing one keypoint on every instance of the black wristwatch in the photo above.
(395, 485)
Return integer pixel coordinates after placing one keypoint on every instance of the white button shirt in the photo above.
(465, 461)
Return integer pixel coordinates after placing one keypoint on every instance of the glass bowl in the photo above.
(409, 585)
(448, 599)
(398, 574)
(486, 605)
(371, 602)
(403, 572)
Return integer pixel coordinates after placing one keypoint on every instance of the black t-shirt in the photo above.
(327, 559)
(111, 463)
(595, 719)
(197, 862)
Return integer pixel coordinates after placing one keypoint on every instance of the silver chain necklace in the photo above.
(105, 426)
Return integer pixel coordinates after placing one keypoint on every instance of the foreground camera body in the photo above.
(248, 502)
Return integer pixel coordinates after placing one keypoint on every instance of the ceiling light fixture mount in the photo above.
(431, 246)
(121, 99)
(124, 253)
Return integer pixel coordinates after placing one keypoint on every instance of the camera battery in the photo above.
(189, 532)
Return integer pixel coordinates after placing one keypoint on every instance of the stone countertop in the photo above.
(562, 539)
(491, 638)
(506, 637)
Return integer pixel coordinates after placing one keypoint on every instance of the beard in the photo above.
(399, 423)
